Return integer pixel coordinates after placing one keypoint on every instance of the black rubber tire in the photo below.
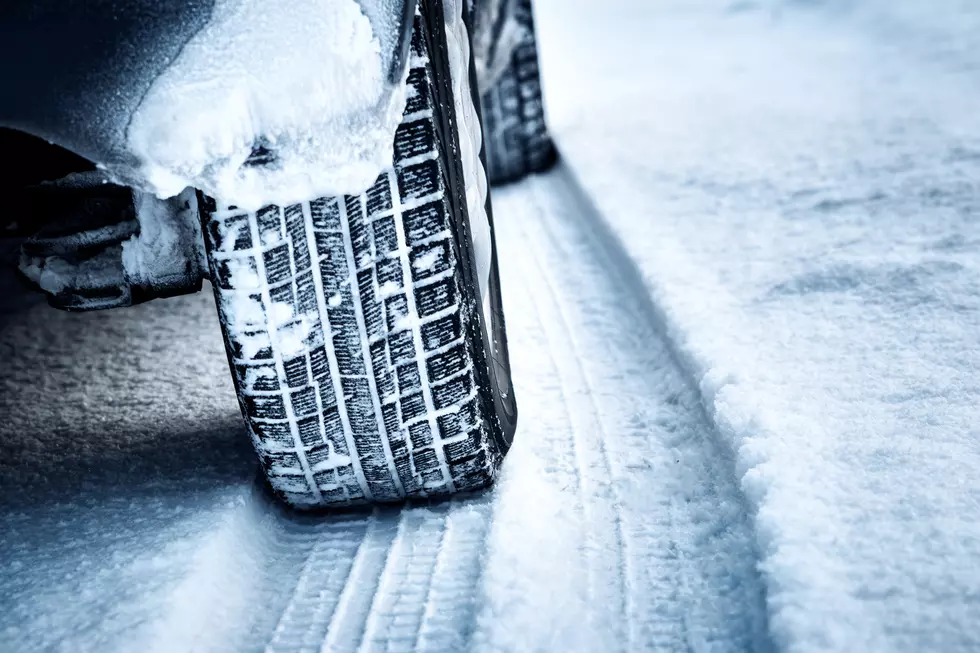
(517, 136)
(381, 389)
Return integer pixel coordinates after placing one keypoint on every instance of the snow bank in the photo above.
(299, 83)
(798, 190)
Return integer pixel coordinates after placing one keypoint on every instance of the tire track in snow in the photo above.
(307, 617)
(349, 623)
(396, 612)
(454, 586)
(688, 558)
(606, 573)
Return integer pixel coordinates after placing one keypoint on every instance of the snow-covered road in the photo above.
(744, 326)
(798, 184)
(616, 524)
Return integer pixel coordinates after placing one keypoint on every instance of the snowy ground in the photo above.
(798, 185)
(151, 515)
(749, 297)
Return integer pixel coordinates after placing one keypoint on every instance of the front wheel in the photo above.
(369, 364)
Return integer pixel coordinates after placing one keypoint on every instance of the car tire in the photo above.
(517, 136)
(366, 367)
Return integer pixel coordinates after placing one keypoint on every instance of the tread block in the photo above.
(330, 247)
(352, 206)
(298, 498)
(402, 347)
(371, 310)
(396, 311)
(419, 180)
(431, 260)
(258, 378)
(282, 462)
(418, 94)
(333, 429)
(425, 459)
(378, 196)
(325, 387)
(283, 294)
(425, 220)
(436, 297)
(229, 273)
(278, 435)
(475, 465)
(385, 235)
(306, 293)
(326, 214)
(389, 413)
(414, 139)
(360, 413)
(318, 454)
(350, 362)
(295, 484)
(354, 491)
(296, 227)
(420, 434)
(320, 367)
(296, 375)
(409, 378)
(461, 450)
(326, 477)
(303, 402)
(270, 225)
(454, 424)
(390, 278)
(265, 406)
(413, 406)
(250, 345)
(443, 365)
(442, 331)
(229, 234)
(379, 360)
(432, 476)
(334, 495)
(310, 431)
(278, 267)
(417, 44)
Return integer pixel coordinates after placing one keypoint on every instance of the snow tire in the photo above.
(513, 109)
(353, 328)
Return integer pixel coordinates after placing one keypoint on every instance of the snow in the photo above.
(52, 274)
(169, 245)
(127, 478)
(278, 75)
(423, 263)
(796, 185)
(742, 319)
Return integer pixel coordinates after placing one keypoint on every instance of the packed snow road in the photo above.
(131, 519)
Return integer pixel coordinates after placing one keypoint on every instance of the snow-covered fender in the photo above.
(75, 71)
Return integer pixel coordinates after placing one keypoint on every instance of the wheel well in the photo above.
(30, 160)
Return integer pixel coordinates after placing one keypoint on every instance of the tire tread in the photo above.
(367, 390)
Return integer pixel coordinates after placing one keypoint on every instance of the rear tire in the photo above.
(513, 110)
(353, 327)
